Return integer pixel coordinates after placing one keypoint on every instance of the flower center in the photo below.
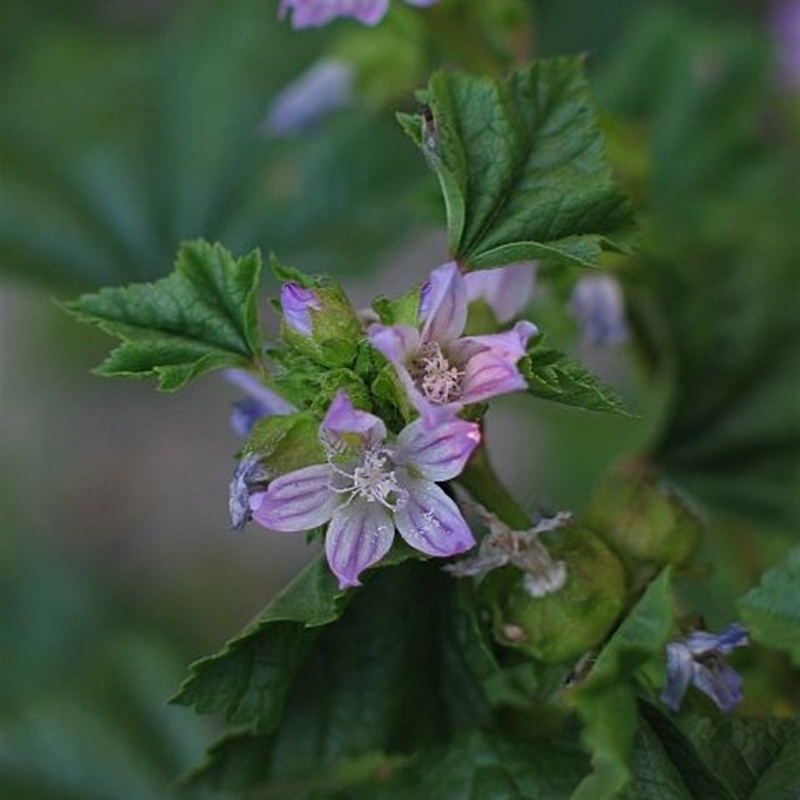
(438, 380)
(373, 479)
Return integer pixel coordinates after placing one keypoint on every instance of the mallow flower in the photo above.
(313, 13)
(440, 368)
(506, 290)
(698, 659)
(369, 486)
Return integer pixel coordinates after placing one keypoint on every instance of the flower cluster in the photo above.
(360, 479)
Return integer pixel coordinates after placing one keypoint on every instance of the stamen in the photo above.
(439, 381)
(372, 479)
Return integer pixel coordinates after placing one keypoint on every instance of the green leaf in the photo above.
(732, 758)
(384, 678)
(522, 168)
(771, 610)
(479, 767)
(554, 376)
(606, 700)
(249, 680)
(201, 317)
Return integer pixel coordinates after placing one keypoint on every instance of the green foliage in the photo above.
(479, 767)
(125, 134)
(250, 679)
(606, 700)
(522, 168)
(554, 376)
(771, 610)
(201, 317)
(384, 678)
(726, 758)
(713, 295)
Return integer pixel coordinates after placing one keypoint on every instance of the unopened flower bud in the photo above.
(320, 322)
(554, 626)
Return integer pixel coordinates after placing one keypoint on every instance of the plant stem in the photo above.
(482, 482)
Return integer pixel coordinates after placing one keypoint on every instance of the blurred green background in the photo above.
(129, 126)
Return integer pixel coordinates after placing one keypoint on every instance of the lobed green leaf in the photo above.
(522, 167)
(202, 316)
(554, 376)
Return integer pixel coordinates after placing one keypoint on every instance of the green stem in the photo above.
(482, 482)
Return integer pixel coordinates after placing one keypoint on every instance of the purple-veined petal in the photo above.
(321, 89)
(680, 668)
(720, 682)
(344, 418)
(437, 451)
(360, 535)
(430, 521)
(489, 375)
(296, 304)
(506, 290)
(510, 344)
(445, 305)
(399, 343)
(313, 13)
(298, 501)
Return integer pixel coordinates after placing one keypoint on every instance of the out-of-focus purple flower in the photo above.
(599, 307)
(698, 659)
(440, 368)
(260, 401)
(313, 13)
(784, 25)
(368, 487)
(506, 290)
(321, 89)
(296, 304)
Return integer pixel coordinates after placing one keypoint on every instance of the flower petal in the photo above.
(598, 305)
(506, 290)
(298, 501)
(510, 344)
(680, 667)
(313, 13)
(360, 535)
(296, 302)
(488, 374)
(702, 642)
(344, 418)
(721, 683)
(321, 89)
(443, 305)
(430, 521)
(438, 451)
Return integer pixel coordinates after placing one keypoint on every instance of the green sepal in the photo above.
(521, 165)
(285, 443)
(403, 311)
(202, 316)
(554, 376)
